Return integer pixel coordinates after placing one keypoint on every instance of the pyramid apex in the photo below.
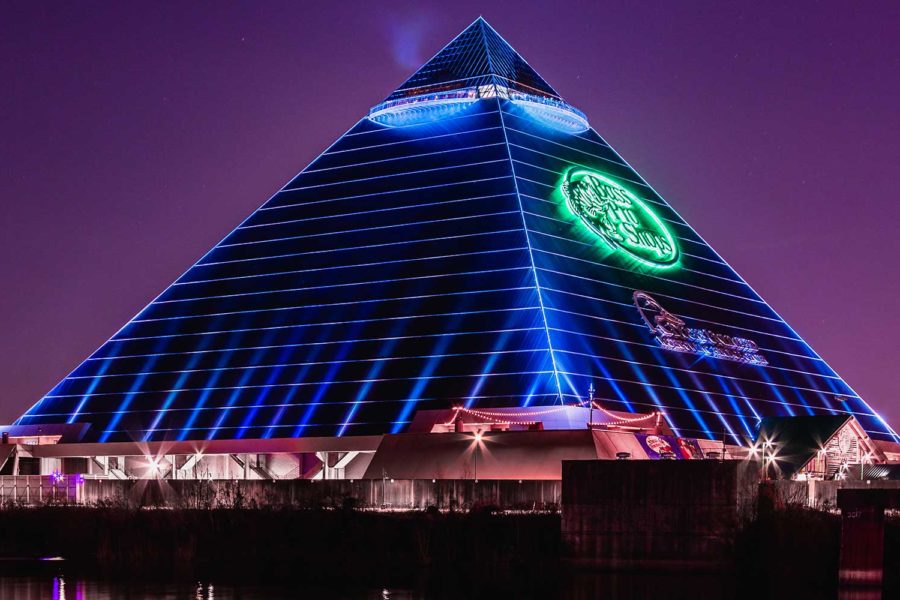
(477, 56)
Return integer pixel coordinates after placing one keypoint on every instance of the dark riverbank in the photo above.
(781, 552)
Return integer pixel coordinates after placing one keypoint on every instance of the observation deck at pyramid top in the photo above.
(476, 64)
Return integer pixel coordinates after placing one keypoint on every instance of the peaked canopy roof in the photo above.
(477, 56)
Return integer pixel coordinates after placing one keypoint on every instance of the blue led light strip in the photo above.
(401, 158)
(364, 247)
(370, 211)
(320, 324)
(392, 192)
(317, 186)
(332, 304)
(362, 229)
(342, 285)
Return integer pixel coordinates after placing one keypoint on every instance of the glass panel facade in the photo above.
(392, 275)
(477, 56)
(598, 334)
(463, 259)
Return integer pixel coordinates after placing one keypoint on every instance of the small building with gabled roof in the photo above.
(814, 447)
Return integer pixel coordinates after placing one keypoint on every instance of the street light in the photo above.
(478, 436)
(591, 406)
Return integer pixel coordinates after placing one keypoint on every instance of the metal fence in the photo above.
(37, 490)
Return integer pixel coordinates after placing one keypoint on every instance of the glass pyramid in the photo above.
(469, 242)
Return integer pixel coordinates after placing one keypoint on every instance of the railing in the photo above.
(556, 109)
(36, 490)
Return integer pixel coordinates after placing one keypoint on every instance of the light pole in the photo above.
(477, 444)
(591, 406)
(768, 455)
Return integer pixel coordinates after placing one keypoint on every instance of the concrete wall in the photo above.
(655, 514)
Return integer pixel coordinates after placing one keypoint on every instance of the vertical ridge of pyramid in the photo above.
(477, 56)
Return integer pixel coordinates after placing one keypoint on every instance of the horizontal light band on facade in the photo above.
(661, 295)
(357, 230)
(365, 247)
(591, 245)
(373, 211)
(754, 299)
(325, 324)
(352, 266)
(693, 372)
(409, 157)
(571, 163)
(390, 175)
(308, 404)
(549, 308)
(407, 317)
(351, 303)
(325, 343)
(814, 358)
(633, 401)
(341, 285)
(809, 357)
(605, 400)
(297, 384)
(392, 192)
(578, 242)
(757, 332)
(560, 144)
(595, 356)
(438, 334)
(316, 363)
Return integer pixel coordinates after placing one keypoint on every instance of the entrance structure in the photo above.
(471, 242)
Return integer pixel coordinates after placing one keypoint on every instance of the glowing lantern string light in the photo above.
(616, 420)
(504, 418)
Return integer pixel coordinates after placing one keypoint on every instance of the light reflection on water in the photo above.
(68, 588)
(577, 586)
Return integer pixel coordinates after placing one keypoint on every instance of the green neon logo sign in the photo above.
(619, 218)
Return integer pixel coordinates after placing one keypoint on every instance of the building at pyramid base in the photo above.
(471, 245)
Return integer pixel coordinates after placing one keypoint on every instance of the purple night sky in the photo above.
(136, 135)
